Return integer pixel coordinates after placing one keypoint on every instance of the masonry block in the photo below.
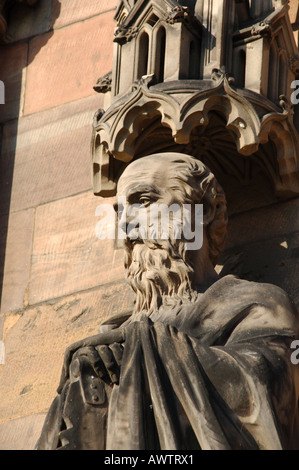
(67, 255)
(13, 60)
(46, 156)
(294, 11)
(35, 342)
(72, 11)
(263, 224)
(22, 433)
(16, 243)
(274, 261)
(64, 65)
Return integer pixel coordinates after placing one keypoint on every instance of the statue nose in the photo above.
(122, 221)
(129, 225)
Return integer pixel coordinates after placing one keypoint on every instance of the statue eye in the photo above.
(145, 200)
(118, 208)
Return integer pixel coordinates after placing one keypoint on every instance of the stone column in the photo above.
(217, 19)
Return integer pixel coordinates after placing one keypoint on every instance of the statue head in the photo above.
(160, 269)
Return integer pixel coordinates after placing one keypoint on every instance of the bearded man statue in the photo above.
(203, 361)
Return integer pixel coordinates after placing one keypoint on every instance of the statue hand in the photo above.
(111, 357)
(104, 359)
(108, 338)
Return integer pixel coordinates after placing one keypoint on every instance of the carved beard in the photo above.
(159, 274)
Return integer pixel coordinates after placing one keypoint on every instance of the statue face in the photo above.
(144, 183)
(150, 201)
(161, 267)
(154, 269)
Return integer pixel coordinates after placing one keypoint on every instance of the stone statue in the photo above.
(203, 362)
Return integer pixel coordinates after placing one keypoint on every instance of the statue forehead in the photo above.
(151, 170)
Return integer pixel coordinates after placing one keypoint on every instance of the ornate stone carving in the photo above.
(103, 84)
(177, 14)
(175, 100)
(121, 127)
(125, 34)
(294, 64)
(262, 29)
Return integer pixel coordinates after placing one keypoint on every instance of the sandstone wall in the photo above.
(58, 280)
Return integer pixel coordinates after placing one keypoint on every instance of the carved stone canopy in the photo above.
(240, 124)
(244, 139)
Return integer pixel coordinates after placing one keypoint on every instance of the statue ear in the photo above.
(208, 213)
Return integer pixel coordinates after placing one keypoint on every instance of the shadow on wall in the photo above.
(20, 14)
(273, 261)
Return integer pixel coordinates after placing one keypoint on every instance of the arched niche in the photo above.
(239, 67)
(282, 73)
(273, 72)
(159, 53)
(194, 59)
(248, 181)
(143, 54)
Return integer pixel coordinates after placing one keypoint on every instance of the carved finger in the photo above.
(101, 370)
(110, 363)
(117, 350)
(108, 337)
(85, 351)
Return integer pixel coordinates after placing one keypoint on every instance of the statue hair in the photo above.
(196, 184)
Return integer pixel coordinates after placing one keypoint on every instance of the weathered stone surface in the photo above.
(263, 246)
(22, 433)
(7, 160)
(65, 65)
(71, 11)
(67, 256)
(294, 16)
(274, 261)
(294, 9)
(263, 224)
(35, 342)
(13, 60)
(16, 242)
(48, 154)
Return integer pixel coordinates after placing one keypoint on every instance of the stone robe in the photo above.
(215, 374)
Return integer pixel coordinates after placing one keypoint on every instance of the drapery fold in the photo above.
(212, 375)
(173, 373)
